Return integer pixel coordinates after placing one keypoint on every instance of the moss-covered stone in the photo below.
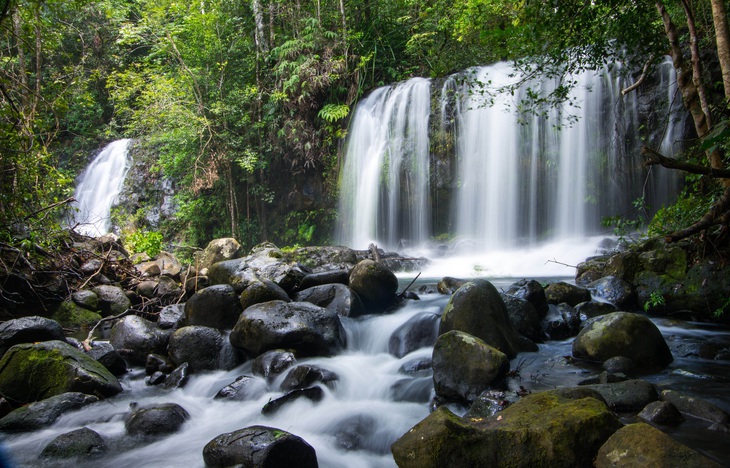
(70, 315)
(375, 284)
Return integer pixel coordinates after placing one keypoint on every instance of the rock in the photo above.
(489, 403)
(86, 299)
(218, 250)
(464, 366)
(104, 353)
(147, 288)
(375, 284)
(619, 364)
(542, 429)
(561, 322)
(138, 337)
(156, 420)
(311, 393)
(355, 433)
(28, 330)
(523, 317)
(336, 297)
(661, 412)
(559, 292)
(245, 387)
(622, 334)
(477, 308)
(417, 366)
(167, 289)
(449, 285)
(272, 363)
(172, 316)
(304, 327)
(695, 407)
(194, 284)
(70, 315)
(32, 372)
(419, 331)
(203, 348)
(591, 309)
(82, 444)
(216, 306)
(91, 266)
(415, 390)
(169, 265)
(616, 291)
(340, 276)
(156, 378)
(112, 300)
(259, 291)
(640, 445)
(532, 292)
(259, 446)
(178, 377)
(158, 363)
(627, 396)
(148, 269)
(604, 378)
(40, 414)
(307, 375)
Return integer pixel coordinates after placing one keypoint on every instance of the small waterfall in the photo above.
(98, 187)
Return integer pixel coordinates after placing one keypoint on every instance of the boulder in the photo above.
(304, 327)
(627, 396)
(449, 285)
(112, 300)
(591, 309)
(616, 291)
(464, 366)
(148, 269)
(307, 375)
(412, 389)
(137, 337)
(559, 292)
(28, 330)
(259, 446)
(622, 334)
(158, 363)
(259, 291)
(375, 284)
(40, 414)
(640, 445)
(86, 299)
(169, 265)
(272, 363)
(245, 387)
(661, 412)
(104, 353)
(356, 433)
(489, 403)
(216, 306)
(36, 371)
(341, 276)
(696, 407)
(71, 315)
(203, 348)
(477, 308)
(544, 429)
(418, 366)
(419, 331)
(178, 378)
(336, 297)
(218, 250)
(532, 292)
(156, 420)
(171, 316)
(310, 393)
(523, 317)
(561, 322)
(82, 444)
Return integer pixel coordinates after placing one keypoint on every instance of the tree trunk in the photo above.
(722, 37)
(259, 34)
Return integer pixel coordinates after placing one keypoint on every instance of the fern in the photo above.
(333, 112)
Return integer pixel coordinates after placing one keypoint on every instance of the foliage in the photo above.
(656, 299)
(687, 210)
(144, 241)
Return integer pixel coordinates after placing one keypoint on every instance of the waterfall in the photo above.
(511, 175)
(98, 187)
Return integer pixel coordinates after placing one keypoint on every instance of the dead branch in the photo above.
(561, 263)
(87, 342)
(402, 293)
(654, 158)
(637, 83)
(50, 207)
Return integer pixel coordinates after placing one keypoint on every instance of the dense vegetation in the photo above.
(229, 95)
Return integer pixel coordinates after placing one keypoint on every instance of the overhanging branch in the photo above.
(654, 158)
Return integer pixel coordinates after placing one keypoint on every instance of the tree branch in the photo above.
(644, 73)
(654, 158)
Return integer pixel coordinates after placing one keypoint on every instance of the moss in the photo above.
(70, 315)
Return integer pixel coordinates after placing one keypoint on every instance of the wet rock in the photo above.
(340, 276)
(561, 322)
(167, 289)
(416, 366)
(178, 377)
(41, 414)
(449, 285)
(489, 403)
(203, 348)
(311, 393)
(216, 306)
(259, 446)
(158, 363)
(523, 317)
(356, 433)
(619, 364)
(464, 366)
(169, 265)
(138, 338)
(415, 390)
(28, 330)
(616, 291)
(477, 308)
(147, 288)
(304, 327)
(306, 375)
(559, 292)
(532, 292)
(218, 250)
(695, 407)
(573, 429)
(591, 309)
(70, 315)
(82, 444)
(419, 331)
(156, 420)
(245, 387)
(272, 363)
(661, 412)
(623, 334)
(172, 316)
(640, 445)
(627, 396)
(336, 297)
(148, 269)
(86, 299)
(604, 378)
(375, 284)
(259, 291)
(104, 353)
(112, 300)
(156, 378)
(36, 371)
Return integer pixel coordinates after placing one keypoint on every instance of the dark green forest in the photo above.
(239, 102)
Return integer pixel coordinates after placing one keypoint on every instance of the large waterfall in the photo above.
(477, 166)
(98, 187)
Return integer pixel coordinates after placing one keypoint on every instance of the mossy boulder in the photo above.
(622, 334)
(259, 291)
(547, 429)
(562, 292)
(28, 330)
(464, 366)
(156, 420)
(36, 371)
(375, 284)
(640, 445)
(43, 413)
(71, 315)
(81, 444)
(477, 308)
(218, 250)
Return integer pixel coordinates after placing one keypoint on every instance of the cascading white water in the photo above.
(384, 183)
(98, 187)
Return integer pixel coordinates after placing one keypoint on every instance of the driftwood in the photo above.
(374, 252)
